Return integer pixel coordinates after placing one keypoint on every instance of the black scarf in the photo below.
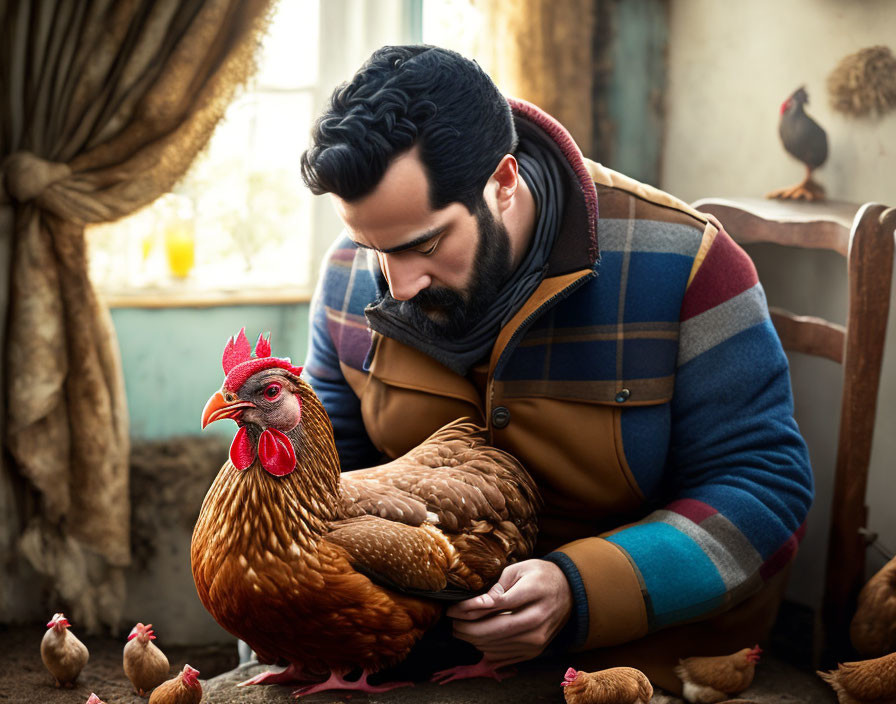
(541, 173)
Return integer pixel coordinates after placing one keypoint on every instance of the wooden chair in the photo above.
(864, 235)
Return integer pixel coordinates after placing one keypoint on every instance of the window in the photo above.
(241, 226)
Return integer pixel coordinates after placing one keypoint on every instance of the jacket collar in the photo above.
(576, 246)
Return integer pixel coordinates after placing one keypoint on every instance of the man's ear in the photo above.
(504, 181)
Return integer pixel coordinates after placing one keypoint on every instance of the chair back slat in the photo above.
(809, 335)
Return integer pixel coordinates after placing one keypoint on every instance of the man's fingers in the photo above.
(478, 606)
(499, 627)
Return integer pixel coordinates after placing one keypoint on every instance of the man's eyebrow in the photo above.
(416, 242)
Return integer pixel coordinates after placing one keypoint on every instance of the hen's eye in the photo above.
(272, 391)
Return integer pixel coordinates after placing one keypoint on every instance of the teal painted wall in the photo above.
(172, 359)
(634, 44)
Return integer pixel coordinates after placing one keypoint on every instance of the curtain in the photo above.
(103, 106)
(542, 51)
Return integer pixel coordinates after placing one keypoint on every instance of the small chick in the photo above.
(618, 685)
(62, 652)
(145, 665)
(93, 699)
(864, 682)
(713, 679)
(183, 689)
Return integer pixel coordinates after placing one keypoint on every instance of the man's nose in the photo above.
(405, 278)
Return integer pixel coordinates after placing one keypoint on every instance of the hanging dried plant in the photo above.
(864, 82)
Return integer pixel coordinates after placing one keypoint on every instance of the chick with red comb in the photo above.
(616, 685)
(63, 654)
(145, 665)
(718, 677)
(183, 689)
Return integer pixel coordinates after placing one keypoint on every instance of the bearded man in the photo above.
(608, 336)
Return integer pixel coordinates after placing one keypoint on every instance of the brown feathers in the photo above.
(478, 497)
(617, 685)
(873, 628)
(865, 682)
(714, 679)
(183, 689)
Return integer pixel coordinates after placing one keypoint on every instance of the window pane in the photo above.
(240, 218)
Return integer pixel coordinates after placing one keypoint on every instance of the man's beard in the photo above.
(444, 313)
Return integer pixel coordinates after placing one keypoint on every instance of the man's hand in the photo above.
(517, 618)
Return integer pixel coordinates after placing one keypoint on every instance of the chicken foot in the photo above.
(807, 189)
(337, 681)
(293, 674)
(464, 672)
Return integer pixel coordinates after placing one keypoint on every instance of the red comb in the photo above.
(236, 351)
(569, 677)
(141, 630)
(263, 345)
(239, 364)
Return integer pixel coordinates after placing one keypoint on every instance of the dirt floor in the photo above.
(23, 679)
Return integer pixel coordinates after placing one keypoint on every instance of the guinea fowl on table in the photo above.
(334, 572)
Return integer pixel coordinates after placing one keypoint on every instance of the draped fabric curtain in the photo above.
(103, 106)
(542, 51)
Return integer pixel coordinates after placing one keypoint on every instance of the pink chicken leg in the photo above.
(337, 681)
(464, 672)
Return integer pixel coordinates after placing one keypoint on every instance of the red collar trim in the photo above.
(561, 136)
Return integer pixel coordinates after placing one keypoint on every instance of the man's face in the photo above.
(446, 265)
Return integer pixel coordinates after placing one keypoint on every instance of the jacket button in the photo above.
(623, 395)
(500, 417)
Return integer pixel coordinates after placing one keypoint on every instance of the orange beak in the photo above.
(218, 407)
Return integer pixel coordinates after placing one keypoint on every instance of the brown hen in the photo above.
(864, 682)
(185, 688)
(713, 679)
(617, 685)
(332, 572)
(873, 628)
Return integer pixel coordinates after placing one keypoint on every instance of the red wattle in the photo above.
(242, 454)
(276, 452)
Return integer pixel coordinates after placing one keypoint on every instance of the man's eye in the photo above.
(431, 247)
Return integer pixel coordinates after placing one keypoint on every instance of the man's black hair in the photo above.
(406, 96)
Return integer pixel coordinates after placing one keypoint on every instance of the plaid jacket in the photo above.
(645, 390)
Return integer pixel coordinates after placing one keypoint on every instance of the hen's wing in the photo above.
(365, 495)
(480, 497)
(419, 561)
(453, 474)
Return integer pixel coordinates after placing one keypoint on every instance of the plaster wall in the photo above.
(730, 66)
